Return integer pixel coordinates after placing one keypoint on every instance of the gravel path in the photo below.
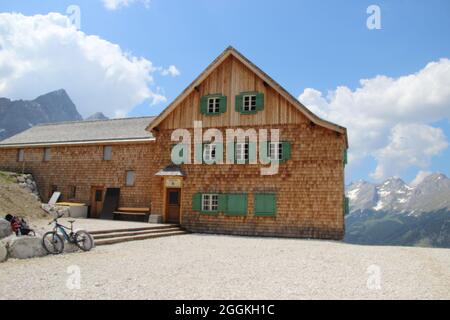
(224, 267)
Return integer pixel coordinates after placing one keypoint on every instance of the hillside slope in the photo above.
(18, 200)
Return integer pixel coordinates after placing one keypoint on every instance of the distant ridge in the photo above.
(19, 115)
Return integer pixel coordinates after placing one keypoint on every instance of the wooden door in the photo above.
(173, 200)
(96, 201)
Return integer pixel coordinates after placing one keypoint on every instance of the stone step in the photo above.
(138, 237)
(133, 233)
(166, 226)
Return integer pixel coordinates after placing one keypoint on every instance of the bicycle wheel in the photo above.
(84, 240)
(53, 243)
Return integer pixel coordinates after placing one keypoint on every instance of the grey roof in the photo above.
(171, 170)
(83, 131)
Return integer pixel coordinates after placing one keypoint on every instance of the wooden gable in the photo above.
(229, 75)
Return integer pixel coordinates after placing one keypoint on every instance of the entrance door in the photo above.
(173, 205)
(96, 202)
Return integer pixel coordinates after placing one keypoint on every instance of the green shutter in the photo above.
(223, 202)
(238, 103)
(236, 204)
(204, 105)
(259, 101)
(251, 152)
(199, 152)
(223, 104)
(345, 157)
(197, 202)
(265, 204)
(230, 153)
(346, 206)
(286, 150)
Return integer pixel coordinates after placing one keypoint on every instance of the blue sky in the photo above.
(301, 44)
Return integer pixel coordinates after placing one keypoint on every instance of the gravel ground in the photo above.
(41, 225)
(198, 266)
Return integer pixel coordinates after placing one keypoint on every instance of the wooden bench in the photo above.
(132, 214)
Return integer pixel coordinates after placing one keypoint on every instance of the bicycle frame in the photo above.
(62, 229)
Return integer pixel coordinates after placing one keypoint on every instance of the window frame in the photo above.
(215, 105)
(47, 154)
(207, 205)
(109, 158)
(251, 107)
(127, 184)
(21, 155)
(208, 150)
(279, 151)
(245, 151)
(72, 192)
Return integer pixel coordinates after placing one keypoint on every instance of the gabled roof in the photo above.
(79, 132)
(230, 51)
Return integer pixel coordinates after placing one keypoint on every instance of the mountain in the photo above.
(394, 213)
(97, 116)
(19, 115)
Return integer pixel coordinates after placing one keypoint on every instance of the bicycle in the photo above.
(53, 241)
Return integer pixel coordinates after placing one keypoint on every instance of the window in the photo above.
(73, 192)
(241, 150)
(107, 153)
(98, 195)
(21, 155)
(47, 154)
(249, 102)
(213, 105)
(275, 151)
(209, 152)
(265, 204)
(130, 178)
(210, 202)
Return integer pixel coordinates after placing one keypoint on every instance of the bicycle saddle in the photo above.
(71, 221)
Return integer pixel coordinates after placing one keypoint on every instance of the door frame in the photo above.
(166, 185)
(92, 196)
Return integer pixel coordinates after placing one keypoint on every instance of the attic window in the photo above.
(213, 105)
(249, 102)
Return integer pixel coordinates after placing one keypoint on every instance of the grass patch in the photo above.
(5, 178)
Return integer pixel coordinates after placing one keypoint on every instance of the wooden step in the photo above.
(138, 237)
(133, 233)
(165, 226)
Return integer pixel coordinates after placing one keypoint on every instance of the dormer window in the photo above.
(249, 103)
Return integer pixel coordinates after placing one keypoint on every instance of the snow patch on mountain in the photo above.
(395, 196)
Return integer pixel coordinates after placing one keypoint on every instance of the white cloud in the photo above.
(419, 177)
(409, 145)
(373, 111)
(172, 71)
(117, 4)
(42, 53)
